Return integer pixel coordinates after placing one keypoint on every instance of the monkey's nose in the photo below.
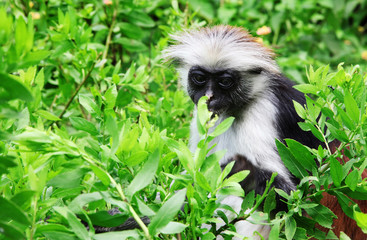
(209, 94)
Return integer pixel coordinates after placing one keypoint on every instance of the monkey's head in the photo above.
(224, 63)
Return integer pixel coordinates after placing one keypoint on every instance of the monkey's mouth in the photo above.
(215, 107)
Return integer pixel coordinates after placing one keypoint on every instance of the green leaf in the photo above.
(127, 234)
(351, 107)
(345, 203)
(141, 19)
(203, 183)
(101, 174)
(167, 212)
(322, 215)
(237, 177)
(33, 58)
(23, 199)
(203, 114)
(136, 158)
(84, 125)
(21, 34)
(270, 202)
(352, 179)
(173, 228)
(290, 228)
(10, 89)
(78, 203)
(205, 8)
(248, 201)
(222, 127)
(6, 162)
(12, 212)
(131, 45)
(336, 171)
(274, 233)
(347, 121)
(10, 231)
(302, 154)
(307, 126)
(89, 105)
(47, 115)
(68, 179)
(338, 134)
(306, 88)
(300, 110)
(105, 219)
(361, 219)
(146, 174)
(344, 236)
(75, 224)
(290, 161)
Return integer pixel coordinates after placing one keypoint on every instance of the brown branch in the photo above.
(79, 87)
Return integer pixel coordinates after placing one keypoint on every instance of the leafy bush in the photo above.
(91, 120)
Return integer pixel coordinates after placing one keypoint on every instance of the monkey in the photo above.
(240, 78)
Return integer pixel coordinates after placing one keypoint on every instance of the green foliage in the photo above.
(91, 120)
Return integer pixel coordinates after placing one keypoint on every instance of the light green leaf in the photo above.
(101, 174)
(47, 115)
(77, 227)
(351, 107)
(222, 127)
(146, 174)
(361, 219)
(84, 125)
(290, 228)
(167, 212)
(173, 228)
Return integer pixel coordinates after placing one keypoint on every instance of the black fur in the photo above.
(287, 119)
(287, 127)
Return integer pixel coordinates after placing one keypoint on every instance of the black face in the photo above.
(226, 89)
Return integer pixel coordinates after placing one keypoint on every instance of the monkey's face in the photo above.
(227, 90)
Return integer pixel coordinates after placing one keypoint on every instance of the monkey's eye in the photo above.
(225, 82)
(198, 79)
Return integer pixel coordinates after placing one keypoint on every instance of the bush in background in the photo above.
(90, 119)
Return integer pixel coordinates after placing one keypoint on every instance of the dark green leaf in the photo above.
(336, 171)
(12, 212)
(345, 203)
(131, 45)
(10, 89)
(302, 154)
(290, 162)
(10, 231)
(322, 215)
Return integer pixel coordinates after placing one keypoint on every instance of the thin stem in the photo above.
(108, 40)
(122, 196)
(79, 87)
(258, 203)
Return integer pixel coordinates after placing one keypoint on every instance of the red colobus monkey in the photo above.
(241, 79)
